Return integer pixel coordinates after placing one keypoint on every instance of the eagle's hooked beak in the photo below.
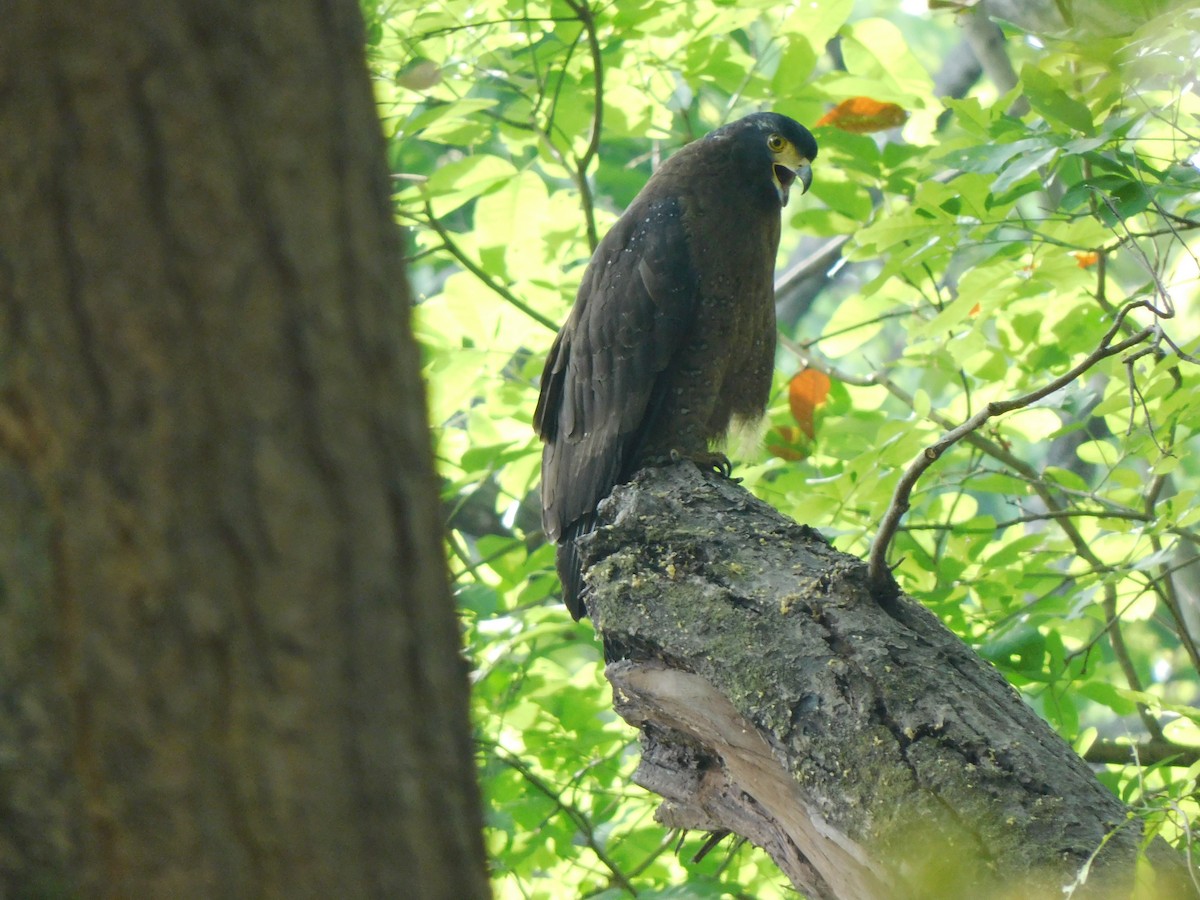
(784, 175)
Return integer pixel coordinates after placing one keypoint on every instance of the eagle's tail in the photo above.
(570, 566)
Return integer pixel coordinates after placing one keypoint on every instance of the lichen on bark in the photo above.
(859, 741)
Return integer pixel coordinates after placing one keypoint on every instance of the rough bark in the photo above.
(228, 655)
(867, 749)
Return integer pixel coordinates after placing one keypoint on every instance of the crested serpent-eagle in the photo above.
(672, 334)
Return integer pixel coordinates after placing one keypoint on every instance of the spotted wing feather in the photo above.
(601, 385)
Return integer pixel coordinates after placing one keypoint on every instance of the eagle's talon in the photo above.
(703, 459)
(714, 462)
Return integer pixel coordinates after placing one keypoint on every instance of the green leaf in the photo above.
(1109, 696)
(991, 158)
(958, 287)
(847, 197)
(1052, 102)
(440, 120)
(895, 76)
(1021, 648)
(463, 180)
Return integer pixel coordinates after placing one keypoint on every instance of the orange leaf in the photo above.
(975, 310)
(787, 443)
(862, 115)
(1086, 258)
(807, 390)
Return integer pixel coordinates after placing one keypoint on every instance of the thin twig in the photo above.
(471, 266)
(584, 13)
(1030, 517)
(1116, 639)
(817, 262)
(1164, 585)
(578, 818)
(1186, 828)
(558, 85)
(480, 23)
(878, 571)
(879, 379)
(808, 343)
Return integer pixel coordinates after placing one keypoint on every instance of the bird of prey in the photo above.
(672, 334)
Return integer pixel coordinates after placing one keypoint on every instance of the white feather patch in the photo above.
(745, 437)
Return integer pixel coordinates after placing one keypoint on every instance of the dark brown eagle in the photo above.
(673, 330)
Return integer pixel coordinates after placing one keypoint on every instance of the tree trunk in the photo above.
(865, 747)
(228, 654)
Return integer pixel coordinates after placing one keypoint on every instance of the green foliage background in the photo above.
(1059, 540)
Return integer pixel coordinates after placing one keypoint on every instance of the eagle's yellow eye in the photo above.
(775, 143)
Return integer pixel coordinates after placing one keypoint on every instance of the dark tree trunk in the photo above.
(865, 747)
(228, 654)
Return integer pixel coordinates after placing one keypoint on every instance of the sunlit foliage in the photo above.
(972, 252)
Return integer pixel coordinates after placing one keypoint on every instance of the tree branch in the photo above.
(880, 574)
(1147, 753)
(1116, 639)
(987, 42)
(865, 748)
(881, 577)
(581, 821)
(471, 266)
(816, 263)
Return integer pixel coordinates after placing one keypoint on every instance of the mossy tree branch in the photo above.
(865, 747)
